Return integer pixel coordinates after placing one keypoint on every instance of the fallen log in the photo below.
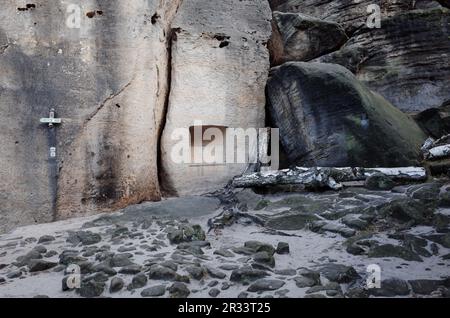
(322, 177)
(438, 152)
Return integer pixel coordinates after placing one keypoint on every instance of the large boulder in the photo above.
(220, 65)
(328, 118)
(299, 37)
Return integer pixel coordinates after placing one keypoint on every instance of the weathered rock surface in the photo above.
(406, 60)
(220, 64)
(299, 37)
(107, 80)
(328, 118)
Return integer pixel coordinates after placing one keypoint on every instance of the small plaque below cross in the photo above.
(51, 120)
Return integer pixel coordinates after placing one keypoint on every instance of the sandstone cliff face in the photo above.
(220, 65)
(108, 80)
(328, 118)
(406, 60)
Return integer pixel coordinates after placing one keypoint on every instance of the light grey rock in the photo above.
(266, 285)
(283, 248)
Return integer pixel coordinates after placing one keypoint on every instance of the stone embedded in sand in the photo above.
(196, 272)
(283, 248)
(328, 118)
(179, 290)
(389, 250)
(213, 272)
(112, 111)
(394, 72)
(264, 258)
(257, 246)
(379, 181)
(186, 233)
(116, 285)
(247, 274)
(36, 265)
(139, 281)
(299, 37)
(91, 289)
(46, 239)
(220, 64)
(339, 273)
(84, 237)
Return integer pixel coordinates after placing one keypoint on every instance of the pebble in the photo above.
(154, 291)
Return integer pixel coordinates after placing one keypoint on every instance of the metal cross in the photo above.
(51, 120)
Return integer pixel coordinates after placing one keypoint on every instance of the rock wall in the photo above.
(220, 65)
(109, 79)
(405, 60)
